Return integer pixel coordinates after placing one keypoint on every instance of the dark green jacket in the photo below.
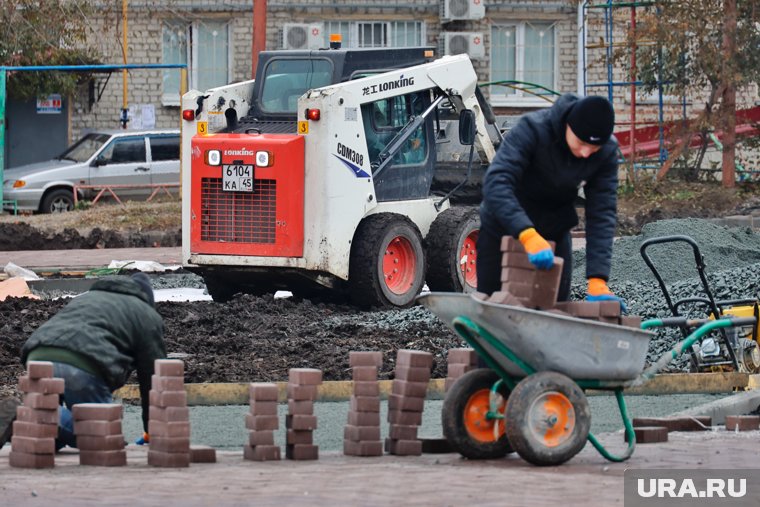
(112, 328)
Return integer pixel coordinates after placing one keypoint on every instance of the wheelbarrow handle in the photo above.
(692, 323)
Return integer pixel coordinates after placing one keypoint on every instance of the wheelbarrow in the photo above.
(531, 399)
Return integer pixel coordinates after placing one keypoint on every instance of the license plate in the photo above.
(237, 178)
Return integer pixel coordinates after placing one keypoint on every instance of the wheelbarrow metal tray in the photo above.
(581, 349)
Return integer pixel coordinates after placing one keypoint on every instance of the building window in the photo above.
(377, 34)
(523, 52)
(204, 47)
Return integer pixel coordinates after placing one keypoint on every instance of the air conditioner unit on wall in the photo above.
(470, 43)
(462, 9)
(303, 36)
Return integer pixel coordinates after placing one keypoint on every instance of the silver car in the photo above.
(118, 157)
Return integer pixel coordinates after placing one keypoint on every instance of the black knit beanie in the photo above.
(592, 120)
(143, 281)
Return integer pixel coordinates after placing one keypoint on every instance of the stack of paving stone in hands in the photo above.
(361, 436)
(169, 424)
(301, 421)
(407, 401)
(261, 423)
(36, 424)
(100, 439)
(459, 362)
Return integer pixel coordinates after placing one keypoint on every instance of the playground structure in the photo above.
(645, 143)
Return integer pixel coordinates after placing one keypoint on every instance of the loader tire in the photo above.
(387, 262)
(451, 254)
(219, 289)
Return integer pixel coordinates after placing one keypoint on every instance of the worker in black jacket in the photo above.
(530, 189)
(96, 341)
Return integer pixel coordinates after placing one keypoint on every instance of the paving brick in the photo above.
(413, 374)
(364, 418)
(170, 444)
(168, 398)
(305, 376)
(97, 428)
(462, 356)
(456, 370)
(302, 452)
(41, 401)
(501, 297)
(300, 393)
(365, 448)
(257, 407)
(631, 321)
(418, 358)
(365, 358)
(31, 445)
(546, 285)
(26, 460)
(303, 407)
(202, 454)
(582, 309)
(400, 432)
(169, 368)
(117, 458)
(301, 422)
(299, 437)
(448, 382)
(510, 244)
(168, 429)
(39, 369)
(261, 422)
(742, 422)
(403, 447)
(34, 430)
(649, 434)
(518, 275)
(516, 260)
(168, 459)
(159, 383)
(104, 443)
(169, 414)
(364, 404)
(261, 437)
(609, 309)
(435, 446)
(404, 418)
(480, 296)
(371, 388)
(40, 416)
(413, 404)
(98, 411)
(361, 433)
(42, 385)
(518, 290)
(411, 389)
(262, 453)
(263, 391)
(364, 373)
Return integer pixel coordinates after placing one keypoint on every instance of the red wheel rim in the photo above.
(468, 257)
(399, 265)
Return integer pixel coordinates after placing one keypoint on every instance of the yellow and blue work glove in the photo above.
(539, 250)
(598, 291)
(144, 439)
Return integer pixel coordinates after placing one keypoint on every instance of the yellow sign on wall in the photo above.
(203, 128)
(303, 127)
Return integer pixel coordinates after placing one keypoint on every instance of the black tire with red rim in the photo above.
(451, 254)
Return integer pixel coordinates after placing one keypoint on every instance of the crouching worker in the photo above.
(96, 341)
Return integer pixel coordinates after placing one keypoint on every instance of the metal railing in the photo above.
(157, 187)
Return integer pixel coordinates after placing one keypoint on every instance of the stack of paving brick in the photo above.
(261, 423)
(521, 283)
(407, 401)
(169, 424)
(601, 311)
(459, 362)
(100, 440)
(301, 421)
(361, 436)
(36, 425)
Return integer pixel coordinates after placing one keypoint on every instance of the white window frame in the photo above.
(353, 31)
(519, 98)
(172, 98)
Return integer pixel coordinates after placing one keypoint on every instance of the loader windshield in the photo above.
(287, 79)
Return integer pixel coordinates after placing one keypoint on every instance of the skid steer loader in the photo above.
(317, 175)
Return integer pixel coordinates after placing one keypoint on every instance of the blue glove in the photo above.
(543, 259)
(143, 440)
(609, 297)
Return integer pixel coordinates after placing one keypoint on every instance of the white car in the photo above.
(113, 157)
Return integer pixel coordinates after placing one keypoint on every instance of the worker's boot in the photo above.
(7, 416)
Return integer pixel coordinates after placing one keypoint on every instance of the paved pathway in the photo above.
(89, 258)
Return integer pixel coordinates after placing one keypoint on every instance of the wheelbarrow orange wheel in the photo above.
(547, 418)
(464, 416)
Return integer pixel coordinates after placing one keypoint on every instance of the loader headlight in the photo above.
(214, 157)
(264, 159)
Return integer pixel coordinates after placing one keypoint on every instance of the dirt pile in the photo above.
(22, 236)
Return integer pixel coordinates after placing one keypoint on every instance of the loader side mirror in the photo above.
(467, 127)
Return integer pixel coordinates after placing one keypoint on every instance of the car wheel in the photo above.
(58, 201)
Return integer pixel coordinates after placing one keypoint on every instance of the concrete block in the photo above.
(649, 434)
(462, 356)
(361, 433)
(364, 418)
(365, 358)
(301, 422)
(202, 454)
(170, 444)
(261, 422)
(418, 358)
(363, 448)
(305, 376)
(364, 404)
(407, 403)
(403, 447)
(34, 430)
(302, 452)
(159, 383)
(39, 416)
(169, 368)
(170, 414)
(39, 369)
(116, 458)
(26, 384)
(41, 401)
(263, 437)
(263, 391)
(404, 418)
(742, 422)
(169, 429)
(301, 393)
(370, 388)
(30, 445)
(262, 453)
(364, 373)
(97, 428)
(104, 443)
(26, 460)
(168, 459)
(297, 437)
(411, 389)
(263, 407)
(168, 398)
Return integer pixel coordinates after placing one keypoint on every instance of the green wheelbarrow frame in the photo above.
(468, 330)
